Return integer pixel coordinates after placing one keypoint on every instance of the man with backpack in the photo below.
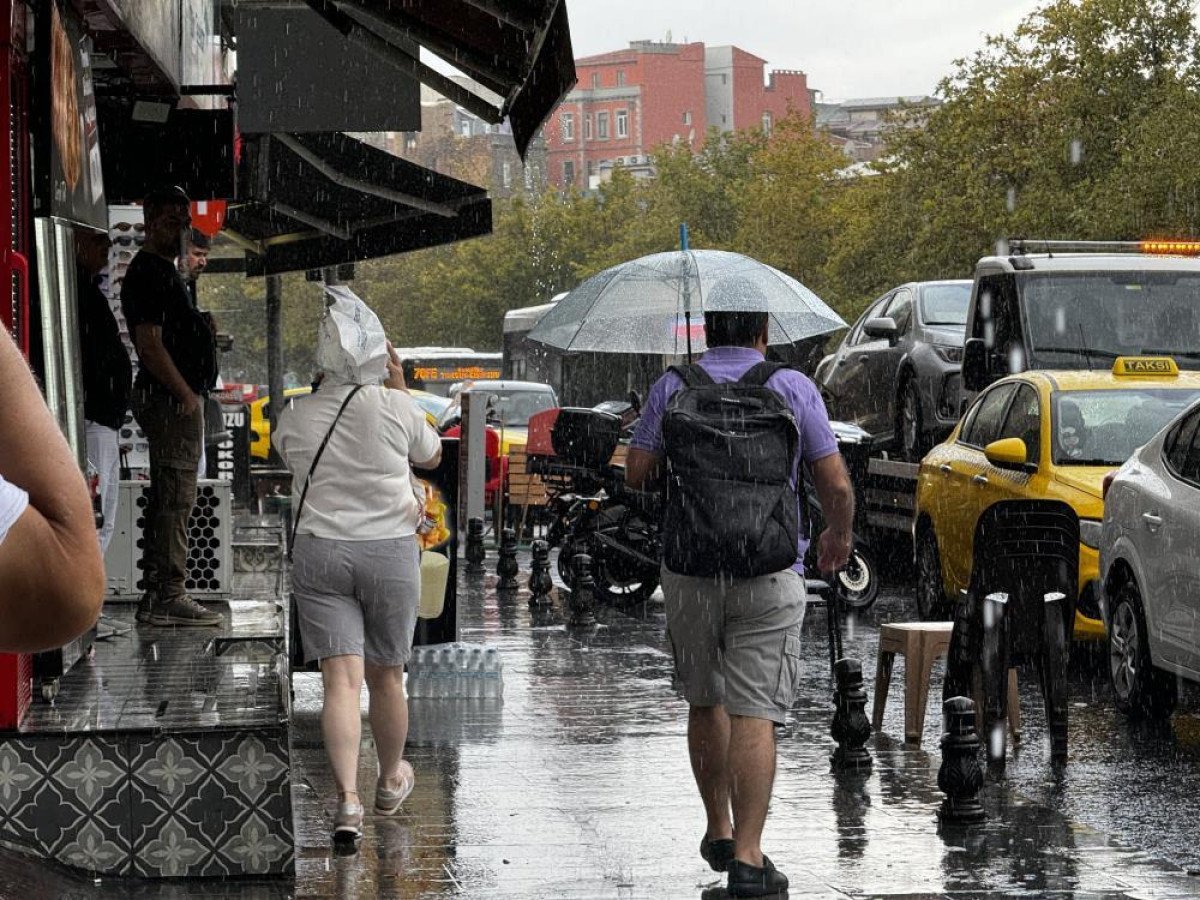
(729, 435)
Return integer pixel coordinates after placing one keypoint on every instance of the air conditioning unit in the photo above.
(210, 534)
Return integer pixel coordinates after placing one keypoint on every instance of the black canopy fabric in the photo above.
(316, 200)
(518, 49)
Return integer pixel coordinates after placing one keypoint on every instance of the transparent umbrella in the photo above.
(656, 304)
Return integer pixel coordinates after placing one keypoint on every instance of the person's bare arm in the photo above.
(836, 494)
(434, 461)
(642, 469)
(51, 573)
(154, 356)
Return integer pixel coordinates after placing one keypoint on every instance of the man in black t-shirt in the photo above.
(174, 348)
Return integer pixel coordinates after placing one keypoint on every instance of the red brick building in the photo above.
(631, 101)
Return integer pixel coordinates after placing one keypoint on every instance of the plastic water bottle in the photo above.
(414, 677)
(447, 673)
(475, 673)
(491, 668)
(460, 672)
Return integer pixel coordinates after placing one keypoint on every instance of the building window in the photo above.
(568, 172)
(724, 78)
(766, 120)
(587, 127)
(595, 80)
(602, 126)
(466, 128)
(622, 123)
(620, 79)
(568, 126)
(506, 174)
(687, 117)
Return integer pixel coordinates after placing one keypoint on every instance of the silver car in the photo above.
(1150, 569)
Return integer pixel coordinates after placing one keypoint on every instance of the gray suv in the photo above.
(896, 373)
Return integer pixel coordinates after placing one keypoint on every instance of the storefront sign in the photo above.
(76, 179)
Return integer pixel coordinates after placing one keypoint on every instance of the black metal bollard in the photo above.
(850, 728)
(1052, 669)
(583, 593)
(960, 776)
(475, 551)
(540, 583)
(506, 566)
(994, 662)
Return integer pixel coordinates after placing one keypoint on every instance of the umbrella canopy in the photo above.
(648, 305)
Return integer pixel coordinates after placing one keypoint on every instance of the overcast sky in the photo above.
(849, 48)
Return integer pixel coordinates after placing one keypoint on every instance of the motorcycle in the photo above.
(599, 516)
(618, 529)
(858, 581)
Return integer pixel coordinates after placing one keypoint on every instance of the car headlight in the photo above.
(950, 353)
(1089, 533)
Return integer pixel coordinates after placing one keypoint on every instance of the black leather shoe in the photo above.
(746, 880)
(717, 853)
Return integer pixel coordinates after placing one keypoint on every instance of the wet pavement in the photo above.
(577, 785)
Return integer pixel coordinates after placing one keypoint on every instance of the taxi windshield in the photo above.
(1085, 320)
(513, 409)
(1104, 428)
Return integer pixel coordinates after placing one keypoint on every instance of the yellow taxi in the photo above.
(260, 422)
(260, 416)
(1040, 435)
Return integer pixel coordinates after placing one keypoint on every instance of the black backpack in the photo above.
(731, 508)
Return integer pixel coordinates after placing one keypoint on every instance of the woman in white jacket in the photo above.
(356, 569)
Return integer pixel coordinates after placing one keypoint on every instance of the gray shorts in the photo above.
(737, 643)
(357, 598)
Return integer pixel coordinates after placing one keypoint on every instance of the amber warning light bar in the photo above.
(1150, 247)
(1171, 248)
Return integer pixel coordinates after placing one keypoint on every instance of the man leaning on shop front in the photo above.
(735, 607)
(174, 350)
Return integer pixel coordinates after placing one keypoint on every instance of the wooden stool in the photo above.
(921, 643)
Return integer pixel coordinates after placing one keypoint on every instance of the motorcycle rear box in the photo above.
(585, 437)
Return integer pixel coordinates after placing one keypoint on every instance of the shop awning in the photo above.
(518, 49)
(316, 200)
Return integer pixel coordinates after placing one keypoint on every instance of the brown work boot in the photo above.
(183, 611)
(145, 607)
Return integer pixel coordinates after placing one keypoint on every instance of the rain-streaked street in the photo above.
(578, 786)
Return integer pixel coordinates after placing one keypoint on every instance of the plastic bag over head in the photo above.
(351, 344)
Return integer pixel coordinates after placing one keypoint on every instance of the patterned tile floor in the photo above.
(576, 785)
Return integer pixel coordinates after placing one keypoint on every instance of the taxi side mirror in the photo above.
(1008, 453)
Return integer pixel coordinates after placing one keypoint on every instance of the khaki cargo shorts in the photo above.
(737, 642)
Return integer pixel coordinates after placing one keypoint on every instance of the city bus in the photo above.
(437, 369)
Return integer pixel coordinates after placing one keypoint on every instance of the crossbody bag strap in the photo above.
(313, 467)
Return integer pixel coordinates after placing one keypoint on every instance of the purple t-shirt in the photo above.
(729, 364)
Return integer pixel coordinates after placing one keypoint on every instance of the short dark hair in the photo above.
(734, 329)
(167, 195)
(199, 239)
